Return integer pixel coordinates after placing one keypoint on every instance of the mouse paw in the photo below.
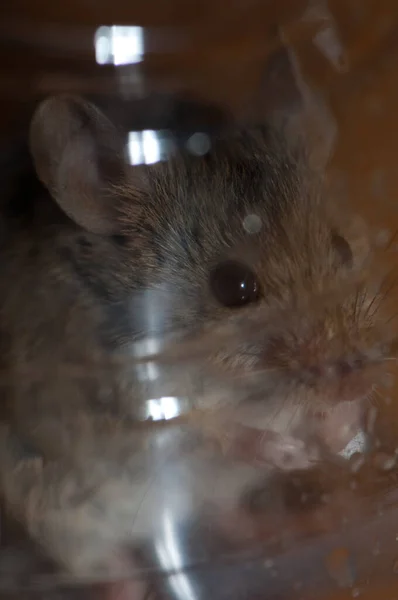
(286, 453)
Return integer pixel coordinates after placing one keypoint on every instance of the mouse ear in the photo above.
(78, 155)
(287, 100)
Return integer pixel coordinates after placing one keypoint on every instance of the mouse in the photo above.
(231, 279)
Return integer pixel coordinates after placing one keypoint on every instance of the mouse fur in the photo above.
(112, 254)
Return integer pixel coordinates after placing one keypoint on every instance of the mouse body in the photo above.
(241, 251)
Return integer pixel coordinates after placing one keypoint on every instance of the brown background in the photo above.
(215, 49)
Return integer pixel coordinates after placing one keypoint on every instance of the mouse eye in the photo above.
(342, 248)
(234, 284)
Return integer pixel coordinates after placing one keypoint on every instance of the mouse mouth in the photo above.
(286, 452)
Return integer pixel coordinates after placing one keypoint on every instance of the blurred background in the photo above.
(186, 66)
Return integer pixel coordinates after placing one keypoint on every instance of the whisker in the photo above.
(277, 408)
(388, 359)
(382, 295)
(370, 305)
(376, 392)
(294, 415)
(394, 316)
(358, 307)
(373, 398)
(355, 307)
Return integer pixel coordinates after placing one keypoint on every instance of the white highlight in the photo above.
(144, 147)
(151, 147)
(170, 557)
(119, 45)
(164, 408)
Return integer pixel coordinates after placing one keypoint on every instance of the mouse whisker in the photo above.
(391, 318)
(250, 374)
(373, 398)
(382, 295)
(357, 311)
(360, 295)
(293, 415)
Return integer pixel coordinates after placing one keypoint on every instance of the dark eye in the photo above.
(342, 248)
(234, 284)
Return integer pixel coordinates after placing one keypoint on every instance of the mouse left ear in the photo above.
(287, 100)
(79, 156)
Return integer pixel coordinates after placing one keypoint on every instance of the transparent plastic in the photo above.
(169, 503)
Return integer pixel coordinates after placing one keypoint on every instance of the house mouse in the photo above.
(245, 285)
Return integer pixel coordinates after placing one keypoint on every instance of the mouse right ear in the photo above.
(287, 99)
(79, 156)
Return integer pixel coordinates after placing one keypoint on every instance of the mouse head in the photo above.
(243, 237)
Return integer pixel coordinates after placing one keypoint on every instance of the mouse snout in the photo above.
(329, 367)
(337, 369)
(343, 379)
(345, 376)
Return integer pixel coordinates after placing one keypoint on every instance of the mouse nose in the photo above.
(344, 367)
(340, 368)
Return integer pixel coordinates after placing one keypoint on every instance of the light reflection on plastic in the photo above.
(119, 45)
(327, 39)
(328, 43)
(170, 557)
(151, 147)
(144, 147)
(148, 371)
(162, 408)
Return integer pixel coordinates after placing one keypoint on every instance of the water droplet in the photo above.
(376, 549)
(355, 592)
(388, 380)
(382, 238)
(252, 223)
(199, 144)
(353, 485)
(273, 573)
(395, 567)
(297, 585)
(268, 563)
